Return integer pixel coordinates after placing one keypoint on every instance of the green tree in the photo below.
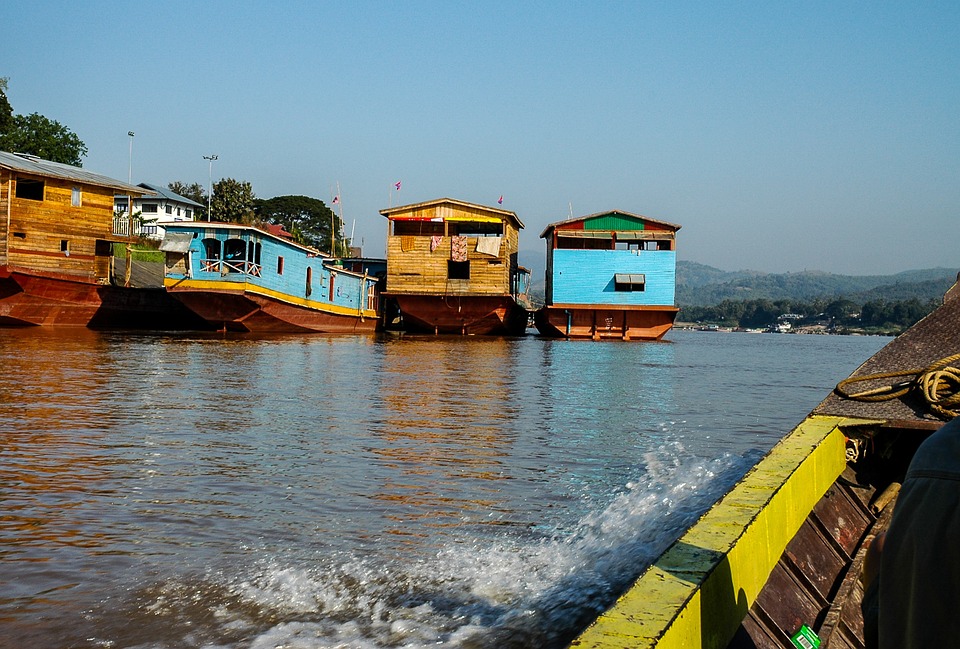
(308, 219)
(6, 110)
(233, 201)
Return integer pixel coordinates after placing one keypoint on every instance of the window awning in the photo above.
(630, 278)
(584, 234)
(176, 241)
(640, 234)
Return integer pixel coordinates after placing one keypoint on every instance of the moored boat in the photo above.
(248, 279)
(609, 276)
(57, 264)
(452, 268)
(777, 562)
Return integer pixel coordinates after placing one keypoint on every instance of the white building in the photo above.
(156, 208)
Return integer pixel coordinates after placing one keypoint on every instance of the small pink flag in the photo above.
(397, 185)
(500, 201)
(336, 199)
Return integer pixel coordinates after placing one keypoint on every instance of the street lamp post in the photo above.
(130, 168)
(210, 159)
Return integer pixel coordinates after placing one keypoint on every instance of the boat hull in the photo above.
(605, 322)
(497, 315)
(248, 311)
(32, 299)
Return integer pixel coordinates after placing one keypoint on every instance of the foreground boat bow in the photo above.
(777, 561)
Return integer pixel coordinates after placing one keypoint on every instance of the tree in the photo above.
(6, 110)
(232, 201)
(308, 219)
(37, 135)
(194, 192)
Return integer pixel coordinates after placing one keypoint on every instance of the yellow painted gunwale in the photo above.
(697, 593)
(240, 288)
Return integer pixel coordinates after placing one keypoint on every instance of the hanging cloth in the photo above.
(458, 248)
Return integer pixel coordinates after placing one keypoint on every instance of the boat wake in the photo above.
(514, 591)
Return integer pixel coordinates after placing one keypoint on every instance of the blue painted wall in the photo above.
(587, 277)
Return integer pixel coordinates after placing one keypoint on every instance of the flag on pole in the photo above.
(500, 200)
(336, 199)
(397, 185)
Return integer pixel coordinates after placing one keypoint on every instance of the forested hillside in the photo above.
(701, 285)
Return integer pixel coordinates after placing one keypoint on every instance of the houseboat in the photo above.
(610, 275)
(258, 279)
(779, 561)
(452, 268)
(57, 264)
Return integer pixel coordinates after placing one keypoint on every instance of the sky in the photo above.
(782, 137)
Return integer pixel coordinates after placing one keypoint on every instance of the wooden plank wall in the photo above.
(37, 228)
(5, 184)
(413, 268)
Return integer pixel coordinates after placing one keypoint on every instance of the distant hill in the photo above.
(702, 285)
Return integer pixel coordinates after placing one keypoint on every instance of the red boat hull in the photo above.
(29, 299)
(605, 322)
(251, 312)
(461, 314)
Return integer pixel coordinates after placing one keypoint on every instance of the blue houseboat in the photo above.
(244, 278)
(610, 275)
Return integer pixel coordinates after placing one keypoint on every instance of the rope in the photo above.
(938, 385)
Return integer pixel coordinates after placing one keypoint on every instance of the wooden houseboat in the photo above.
(778, 562)
(452, 268)
(610, 275)
(56, 252)
(251, 279)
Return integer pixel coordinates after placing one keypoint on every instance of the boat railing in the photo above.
(231, 266)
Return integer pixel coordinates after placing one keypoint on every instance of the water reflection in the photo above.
(191, 490)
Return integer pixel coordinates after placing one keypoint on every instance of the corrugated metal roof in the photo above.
(170, 195)
(551, 226)
(440, 201)
(30, 164)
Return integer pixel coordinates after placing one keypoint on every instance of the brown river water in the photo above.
(165, 491)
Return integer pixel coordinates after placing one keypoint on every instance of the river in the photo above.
(167, 491)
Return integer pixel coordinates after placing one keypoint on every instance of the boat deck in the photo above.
(817, 580)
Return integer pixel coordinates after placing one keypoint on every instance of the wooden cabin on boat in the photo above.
(452, 268)
(245, 278)
(56, 250)
(610, 275)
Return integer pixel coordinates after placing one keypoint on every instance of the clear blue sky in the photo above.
(781, 136)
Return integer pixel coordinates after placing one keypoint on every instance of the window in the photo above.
(279, 265)
(458, 269)
(211, 252)
(417, 228)
(75, 197)
(476, 229)
(65, 247)
(169, 209)
(309, 281)
(189, 213)
(629, 282)
(149, 208)
(30, 189)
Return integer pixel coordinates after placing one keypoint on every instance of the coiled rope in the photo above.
(938, 384)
